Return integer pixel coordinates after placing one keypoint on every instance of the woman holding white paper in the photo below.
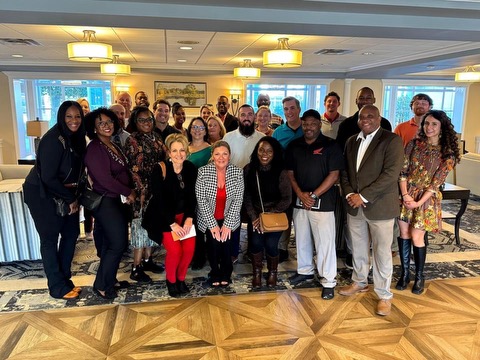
(170, 212)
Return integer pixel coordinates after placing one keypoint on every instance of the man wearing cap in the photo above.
(314, 162)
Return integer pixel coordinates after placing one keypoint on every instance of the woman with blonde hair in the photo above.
(206, 111)
(170, 213)
(262, 120)
(216, 129)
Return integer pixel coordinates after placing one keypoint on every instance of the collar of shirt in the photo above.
(369, 137)
(325, 115)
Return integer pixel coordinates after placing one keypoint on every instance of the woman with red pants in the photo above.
(170, 212)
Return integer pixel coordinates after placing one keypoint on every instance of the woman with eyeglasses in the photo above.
(144, 148)
(179, 117)
(108, 170)
(199, 154)
(170, 212)
(206, 111)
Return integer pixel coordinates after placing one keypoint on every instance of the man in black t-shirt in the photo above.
(314, 162)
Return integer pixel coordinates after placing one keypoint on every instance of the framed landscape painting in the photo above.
(188, 94)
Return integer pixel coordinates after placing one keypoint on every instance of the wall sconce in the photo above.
(282, 56)
(115, 68)
(246, 70)
(235, 98)
(37, 128)
(89, 49)
(122, 88)
(468, 75)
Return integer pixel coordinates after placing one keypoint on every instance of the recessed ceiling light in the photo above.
(367, 53)
(17, 55)
(186, 48)
(182, 60)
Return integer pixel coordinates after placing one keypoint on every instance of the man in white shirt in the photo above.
(242, 141)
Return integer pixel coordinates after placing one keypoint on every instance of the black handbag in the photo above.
(90, 200)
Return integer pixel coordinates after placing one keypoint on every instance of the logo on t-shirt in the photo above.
(318, 151)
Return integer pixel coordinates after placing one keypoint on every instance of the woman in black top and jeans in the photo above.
(57, 169)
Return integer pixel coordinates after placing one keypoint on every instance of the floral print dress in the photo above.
(143, 151)
(424, 170)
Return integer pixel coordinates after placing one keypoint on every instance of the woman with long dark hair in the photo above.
(54, 178)
(108, 170)
(428, 160)
(266, 164)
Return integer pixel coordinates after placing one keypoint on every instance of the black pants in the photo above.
(267, 241)
(112, 235)
(88, 222)
(220, 255)
(58, 236)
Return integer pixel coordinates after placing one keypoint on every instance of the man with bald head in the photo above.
(121, 136)
(125, 99)
(374, 159)
(349, 126)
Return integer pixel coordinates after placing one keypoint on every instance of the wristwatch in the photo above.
(313, 196)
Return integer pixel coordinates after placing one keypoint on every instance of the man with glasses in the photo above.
(161, 111)
(420, 105)
(230, 121)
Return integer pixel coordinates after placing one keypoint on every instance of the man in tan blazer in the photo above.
(374, 159)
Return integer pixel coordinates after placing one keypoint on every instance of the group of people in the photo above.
(190, 188)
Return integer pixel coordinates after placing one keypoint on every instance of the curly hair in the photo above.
(189, 129)
(134, 115)
(96, 114)
(277, 161)
(448, 137)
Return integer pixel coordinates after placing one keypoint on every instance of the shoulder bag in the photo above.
(88, 198)
(271, 222)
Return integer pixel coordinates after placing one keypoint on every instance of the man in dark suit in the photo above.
(349, 126)
(374, 159)
(229, 121)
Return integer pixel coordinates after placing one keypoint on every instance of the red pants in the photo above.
(179, 254)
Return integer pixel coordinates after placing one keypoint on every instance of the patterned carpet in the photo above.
(86, 263)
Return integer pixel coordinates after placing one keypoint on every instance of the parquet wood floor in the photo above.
(443, 323)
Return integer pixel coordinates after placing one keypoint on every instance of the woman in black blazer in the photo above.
(170, 212)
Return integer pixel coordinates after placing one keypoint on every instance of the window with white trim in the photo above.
(42, 97)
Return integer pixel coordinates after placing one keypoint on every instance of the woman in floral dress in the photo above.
(144, 148)
(428, 160)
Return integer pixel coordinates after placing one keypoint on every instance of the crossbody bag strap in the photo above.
(259, 191)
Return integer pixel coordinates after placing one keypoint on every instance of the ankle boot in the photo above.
(257, 265)
(272, 265)
(404, 246)
(172, 289)
(419, 254)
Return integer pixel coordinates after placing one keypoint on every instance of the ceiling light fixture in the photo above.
(115, 68)
(89, 49)
(17, 55)
(282, 56)
(186, 48)
(468, 75)
(246, 70)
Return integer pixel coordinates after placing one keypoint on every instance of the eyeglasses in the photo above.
(145, 120)
(198, 127)
(106, 123)
(180, 178)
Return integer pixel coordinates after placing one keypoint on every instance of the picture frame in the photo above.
(188, 94)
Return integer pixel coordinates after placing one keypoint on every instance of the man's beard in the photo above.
(246, 130)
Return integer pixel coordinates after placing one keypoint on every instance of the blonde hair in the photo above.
(218, 144)
(172, 138)
(264, 107)
(209, 107)
(223, 131)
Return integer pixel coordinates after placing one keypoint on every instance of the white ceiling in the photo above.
(429, 39)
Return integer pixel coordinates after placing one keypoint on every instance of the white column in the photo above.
(346, 97)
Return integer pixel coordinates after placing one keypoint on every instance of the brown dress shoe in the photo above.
(70, 295)
(352, 289)
(384, 307)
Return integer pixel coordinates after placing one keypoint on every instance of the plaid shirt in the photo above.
(206, 191)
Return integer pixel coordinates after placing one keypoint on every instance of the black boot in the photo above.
(182, 288)
(257, 265)
(149, 265)
(419, 254)
(272, 266)
(172, 289)
(404, 246)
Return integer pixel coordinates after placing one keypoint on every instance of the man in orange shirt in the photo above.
(420, 105)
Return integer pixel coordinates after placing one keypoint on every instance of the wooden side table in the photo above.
(454, 192)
